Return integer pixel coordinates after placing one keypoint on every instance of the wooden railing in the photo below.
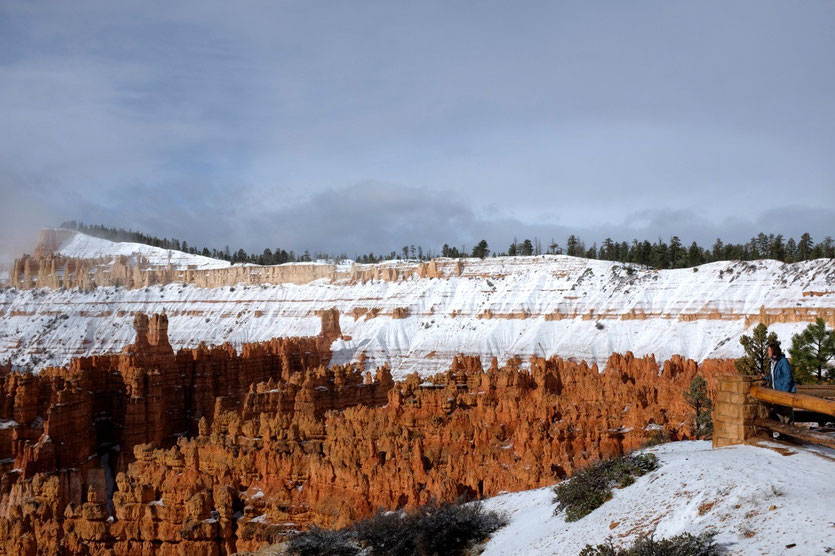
(797, 401)
(803, 401)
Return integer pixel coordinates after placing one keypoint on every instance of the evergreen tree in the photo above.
(811, 352)
(677, 253)
(526, 249)
(574, 246)
(804, 247)
(606, 252)
(755, 361)
(481, 250)
(828, 248)
(791, 250)
(777, 248)
(659, 256)
(694, 255)
(718, 249)
(697, 398)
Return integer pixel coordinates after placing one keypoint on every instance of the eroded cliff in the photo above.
(212, 451)
(413, 316)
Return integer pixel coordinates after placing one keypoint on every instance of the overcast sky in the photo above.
(356, 126)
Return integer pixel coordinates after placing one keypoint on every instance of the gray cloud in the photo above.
(283, 124)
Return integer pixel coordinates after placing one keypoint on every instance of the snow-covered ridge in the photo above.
(758, 500)
(82, 246)
(502, 307)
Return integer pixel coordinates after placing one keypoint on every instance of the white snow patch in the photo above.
(730, 490)
(7, 424)
(52, 326)
(82, 246)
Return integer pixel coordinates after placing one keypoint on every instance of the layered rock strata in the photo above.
(413, 316)
(222, 452)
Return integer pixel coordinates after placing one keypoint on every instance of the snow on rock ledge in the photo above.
(418, 316)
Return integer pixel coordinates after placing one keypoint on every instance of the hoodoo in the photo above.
(215, 451)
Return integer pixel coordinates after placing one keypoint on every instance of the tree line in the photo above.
(659, 254)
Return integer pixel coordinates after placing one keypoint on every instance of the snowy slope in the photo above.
(82, 246)
(573, 307)
(758, 501)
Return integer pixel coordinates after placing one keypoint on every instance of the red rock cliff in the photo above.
(222, 452)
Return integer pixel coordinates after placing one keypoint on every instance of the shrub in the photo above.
(316, 541)
(658, 436)
(387, 533)
(450, 528)
(590, 488)
(431, 529)
(680, 545)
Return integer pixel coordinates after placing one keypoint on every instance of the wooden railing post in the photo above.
(735, 411)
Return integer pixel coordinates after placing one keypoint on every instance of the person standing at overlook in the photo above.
(780, 378)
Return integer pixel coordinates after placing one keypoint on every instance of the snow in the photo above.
(82, 246)
(7, 424)
(48, 327)
(757, 499)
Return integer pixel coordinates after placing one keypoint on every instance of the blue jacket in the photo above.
(780, 377)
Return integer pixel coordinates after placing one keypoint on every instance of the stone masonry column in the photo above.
(735, 410)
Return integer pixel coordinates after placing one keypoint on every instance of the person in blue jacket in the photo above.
(780, 378)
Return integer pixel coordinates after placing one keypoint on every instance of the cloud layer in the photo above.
(357, 127)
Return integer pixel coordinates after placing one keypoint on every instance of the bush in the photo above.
(450, 528)
(316, 542)
(680, 545)
(590, 488)
(387, 533)
(657, 437)
(431, 529)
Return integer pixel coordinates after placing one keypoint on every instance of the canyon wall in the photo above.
(135, 272)
(211, 451)
(413, 316)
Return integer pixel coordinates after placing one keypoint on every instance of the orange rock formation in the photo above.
(221, 452)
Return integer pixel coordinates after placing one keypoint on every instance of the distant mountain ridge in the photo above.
(417, 316)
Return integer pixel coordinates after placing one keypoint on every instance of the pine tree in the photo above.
(755, 361)
(697, 398)
(677, 253)
(804, 247)
(791, 250)
(694, 255)
(718, 249)
(574, 246)
(526, 249)
(481, 250)
(811, 352)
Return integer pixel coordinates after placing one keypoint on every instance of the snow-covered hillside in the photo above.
(82, 246)
(758, 500)
(502, 307)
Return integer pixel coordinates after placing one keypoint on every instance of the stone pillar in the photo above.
(735, 410)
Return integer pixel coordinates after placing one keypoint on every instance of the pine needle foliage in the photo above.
(755, 361)
(697, 398)
(812, 353)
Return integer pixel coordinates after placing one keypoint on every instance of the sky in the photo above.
(350, 127)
